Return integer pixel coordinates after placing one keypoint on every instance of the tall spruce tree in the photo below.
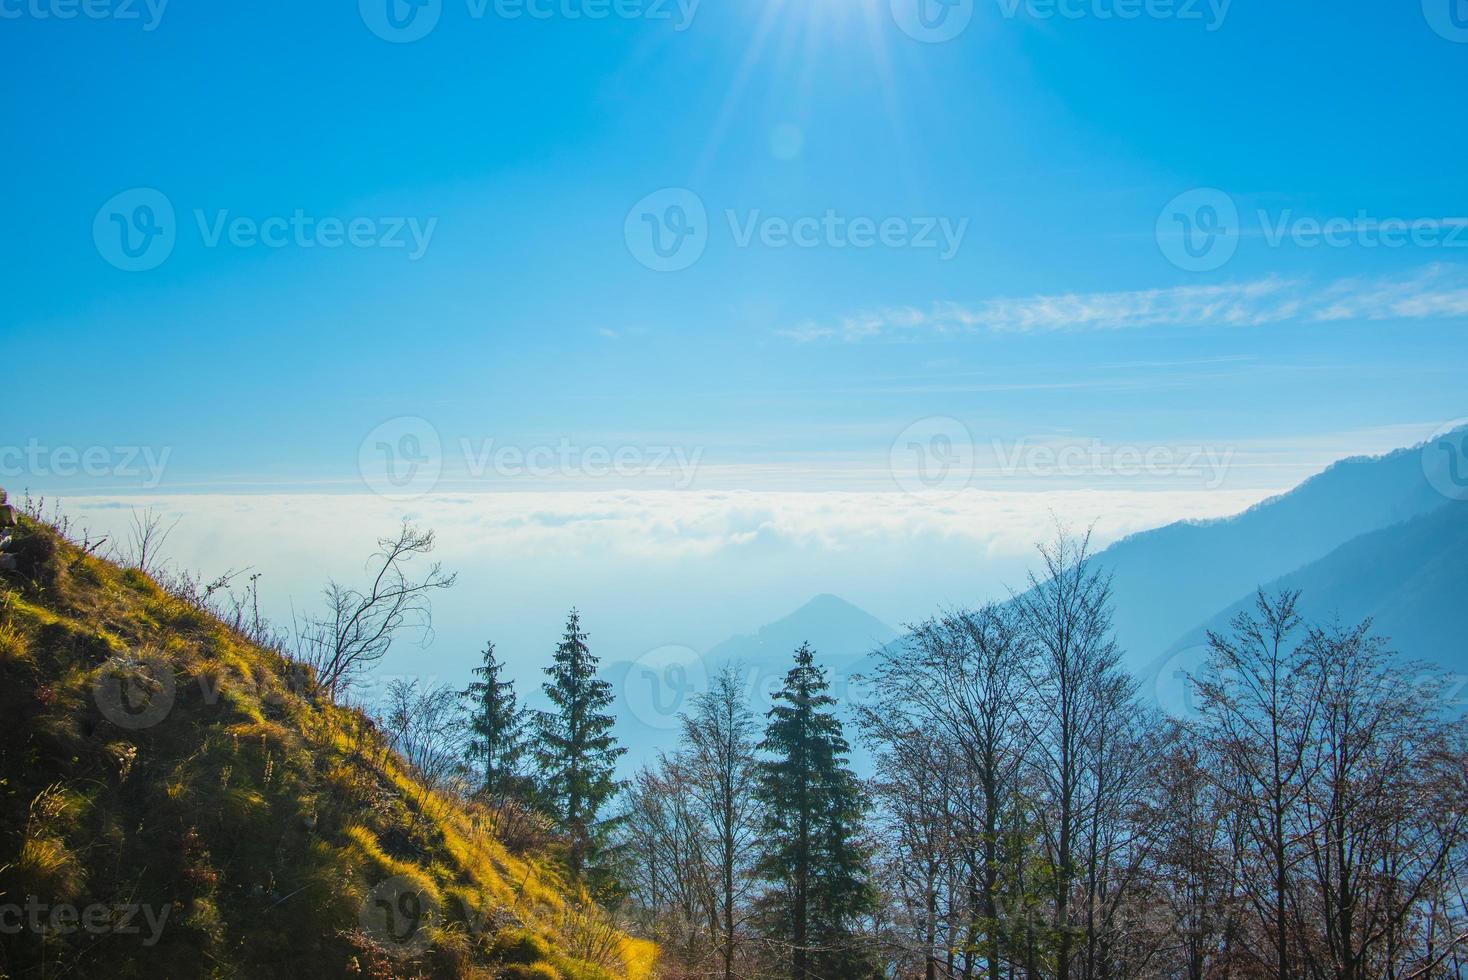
(497, 731)
(813, 809)
(575, 751)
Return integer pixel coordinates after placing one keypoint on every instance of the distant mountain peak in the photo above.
(829, 604)
(827, 610)
(835, 628)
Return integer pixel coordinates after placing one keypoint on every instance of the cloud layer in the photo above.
(1437, 292)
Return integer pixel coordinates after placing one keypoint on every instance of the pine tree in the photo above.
(497, 730)
(575, 750)
(813, 809)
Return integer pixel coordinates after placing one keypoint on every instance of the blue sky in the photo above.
(528, 140)
(520, 148)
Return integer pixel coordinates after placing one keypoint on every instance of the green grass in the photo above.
(260, 816)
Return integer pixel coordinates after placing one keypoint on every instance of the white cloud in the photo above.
(1437, 292)
(656, 525)
(648, 568)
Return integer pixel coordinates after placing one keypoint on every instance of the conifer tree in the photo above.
(575, 750)
(813, 810)
(497, 730)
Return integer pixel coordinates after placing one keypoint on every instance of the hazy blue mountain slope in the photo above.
(1170, 579)
(1411, 579)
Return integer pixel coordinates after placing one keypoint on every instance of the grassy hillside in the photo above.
(175, 802)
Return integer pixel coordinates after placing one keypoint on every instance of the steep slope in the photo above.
(1170, 579)
(176, 802)
(1411, 579)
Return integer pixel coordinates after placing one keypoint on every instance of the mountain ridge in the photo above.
(1168, 579)
(1398, 576)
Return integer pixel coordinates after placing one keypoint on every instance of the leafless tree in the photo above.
(669, 866)
(1075, 690)
(1033, 820)
(688, 834)
(1259, 700)
(1116, 835)
(1348, 786)
(426, 726)
(919, 790)
(360, 625)
(957, 678)
(1378, 825)
(148, 533)
(719, 759)
(1198, 839)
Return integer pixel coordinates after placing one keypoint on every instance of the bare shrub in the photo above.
(360, 625)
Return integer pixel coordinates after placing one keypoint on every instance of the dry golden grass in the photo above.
(262, 813)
